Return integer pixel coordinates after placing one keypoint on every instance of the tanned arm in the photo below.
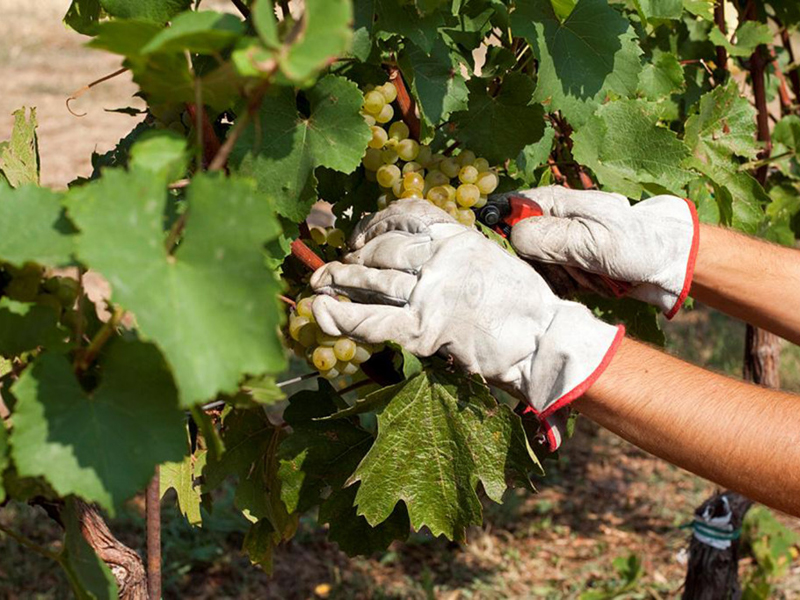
(749, 279)
(740, 436)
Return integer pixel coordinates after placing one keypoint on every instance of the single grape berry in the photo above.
(389, 155)
(388, 175)
(398, 131)
(412, 194)
(468, 174)
(434, 178)
(379, 137)
(389, 91)
(346, 368)
(323, 339)
(374, 102)
(467, 157)
(363, 354)
(481, 202)
(467, 195)
(369, 119)
(408, 149)
(449, 167)
(466, 217)
(487, 182)
(386, 114)
(318, 234)
(438, 195)
(336, 237)
(481, 164)
(413, 181)
(344, 349)
(372, 159)
(413, 167)
(424, 156)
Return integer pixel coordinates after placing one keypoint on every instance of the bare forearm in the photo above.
(738, 435)
(749, 279)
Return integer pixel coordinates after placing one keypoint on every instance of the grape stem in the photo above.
(81, 91)
(287, 300)
(106, 331)
(405, 102)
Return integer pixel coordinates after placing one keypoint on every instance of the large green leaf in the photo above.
(393, 18)
(593, 52)
(159, 11)
(204, 32)
(25, 327)
(661, 76)
(623, 141)
(438, 437)
(19, 157)
(89, 577)
(34, 213)
(660, 9)
(436, 82)
(499, 127)
(722, 129)
(82, 15)
(214, 295)
(749, 36)
(282, 149)
(103, 445)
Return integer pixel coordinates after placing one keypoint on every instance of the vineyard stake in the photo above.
(153, 519)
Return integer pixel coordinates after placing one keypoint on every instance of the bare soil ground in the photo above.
(601, 500)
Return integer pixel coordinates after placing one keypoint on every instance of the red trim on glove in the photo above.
(687, 282)
(577, 391)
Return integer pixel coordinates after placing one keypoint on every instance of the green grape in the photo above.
(372, 159)
(467, 157)
(383, 201)
(466, 217)
(374, 102)
(330, 373)
(296, 323)
(434, 178)
(388, 175)
(319, 235)
(450, 207)
(449, 167)
(389, 91)
(451, 192)
(413, 181)
(303, 307)
(323, 339)
(481, 164)
(51, 284)
(467, 195)
(413, 167)
(487, 182)
(412, 194)
(369, 119)
(468, 174)
(398, 131)
(389, 156)
(481, 202)
(397, 188)
(336, 237)
(68, 291)
(323, 358)
(345, 349)
(386, 114)
(363, 354)
(436, 160)
(347, 368)
(408, 149)
(379, 137)
(424, 156)
(438, 195)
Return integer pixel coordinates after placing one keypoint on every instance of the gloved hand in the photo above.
(652, 244)
(421, 279)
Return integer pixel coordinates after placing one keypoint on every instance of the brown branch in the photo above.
(306, 255)
(783, 89)
(153, 518)
(405, 102)
(757, 65)
(794, 75)
(719, 19)
(81, 91)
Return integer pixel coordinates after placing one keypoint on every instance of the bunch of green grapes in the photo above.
(330, 236)
(333, 356)
(405, 169)
(27, 284)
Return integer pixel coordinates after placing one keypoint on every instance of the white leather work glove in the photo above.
(652, 244)
(423, 280)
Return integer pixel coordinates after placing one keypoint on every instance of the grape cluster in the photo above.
(330, 236)
(406, 169)
(333, 356)
(26, 284)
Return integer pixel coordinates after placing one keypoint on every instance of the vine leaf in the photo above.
(82, 15)
(722, 129)
(181, 476)
(204, 32)
(657, 157)
(104, 445)
(19, 157)
(34, 213)
(659, 9)
(593, 52)
(662, 76)
(438, 437)
(158, 11)
(500, 126)
(749, 36)
(215, 294)
(395, 19)
(89, 577)
(25, 327)
(259, 544)
(282, 149)
(436, 82)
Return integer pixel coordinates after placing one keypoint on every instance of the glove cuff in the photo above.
(571, 355)
(690, 261)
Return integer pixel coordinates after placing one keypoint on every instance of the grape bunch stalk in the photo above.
(404, 168)
(333, 356)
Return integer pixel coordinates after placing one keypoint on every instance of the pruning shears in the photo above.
(502, 211)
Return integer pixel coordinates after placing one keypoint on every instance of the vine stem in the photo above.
(100, 339)
(81, 91)
(794, 75)
(408, 109)
(153, 518)
(21, 539)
